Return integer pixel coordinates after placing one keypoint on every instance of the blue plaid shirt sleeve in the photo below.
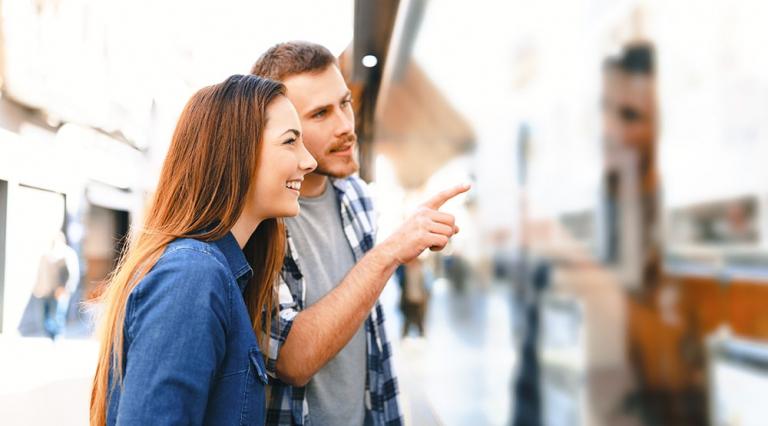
(281, 326)
(289, 304)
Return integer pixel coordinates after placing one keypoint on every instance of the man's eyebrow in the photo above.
(347, 94)
(318, 109)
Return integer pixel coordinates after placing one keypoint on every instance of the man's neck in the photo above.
(313, 185)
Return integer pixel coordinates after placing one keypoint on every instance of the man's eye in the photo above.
(345, 103)
(319, 114)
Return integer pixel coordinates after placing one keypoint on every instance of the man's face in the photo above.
(629, 110)
(324, 104)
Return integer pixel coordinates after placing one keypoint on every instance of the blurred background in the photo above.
(612, 267)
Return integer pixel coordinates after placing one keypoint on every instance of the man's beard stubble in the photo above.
(352, 164)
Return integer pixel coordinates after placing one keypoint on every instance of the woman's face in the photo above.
(283, 163)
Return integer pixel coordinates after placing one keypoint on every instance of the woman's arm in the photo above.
(177, 319)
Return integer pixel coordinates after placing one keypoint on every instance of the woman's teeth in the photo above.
(293, 184)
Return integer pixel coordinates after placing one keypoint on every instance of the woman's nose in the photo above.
(307, 162)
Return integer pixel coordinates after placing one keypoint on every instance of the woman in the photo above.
(177, 339)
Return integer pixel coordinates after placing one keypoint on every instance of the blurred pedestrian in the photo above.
(58, 274)
(414, 296)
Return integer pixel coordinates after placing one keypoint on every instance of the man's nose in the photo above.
(345, 123)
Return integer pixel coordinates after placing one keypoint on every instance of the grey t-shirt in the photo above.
(336, 393)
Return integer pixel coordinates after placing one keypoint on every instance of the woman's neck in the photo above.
(244, 228)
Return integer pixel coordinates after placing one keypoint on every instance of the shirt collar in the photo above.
(236, 260)
(341, 185)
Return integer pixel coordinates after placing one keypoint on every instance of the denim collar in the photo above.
(236, 261)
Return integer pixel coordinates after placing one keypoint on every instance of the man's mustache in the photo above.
(344, 143)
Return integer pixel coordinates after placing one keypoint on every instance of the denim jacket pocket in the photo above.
(254, 403)
(257, 362)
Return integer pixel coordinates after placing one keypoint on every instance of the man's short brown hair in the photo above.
(294, 57)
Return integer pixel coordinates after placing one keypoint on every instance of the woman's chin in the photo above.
(286, 208)
(292, 212)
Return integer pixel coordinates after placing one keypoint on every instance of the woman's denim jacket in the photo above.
(190, 354)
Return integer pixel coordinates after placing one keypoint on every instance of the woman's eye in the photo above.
(290, 141)
(346, 103)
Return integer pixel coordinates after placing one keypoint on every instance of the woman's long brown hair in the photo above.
(204, 183)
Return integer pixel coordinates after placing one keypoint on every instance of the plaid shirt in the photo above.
(287, 405)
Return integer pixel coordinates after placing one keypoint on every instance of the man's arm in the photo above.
(319, 332)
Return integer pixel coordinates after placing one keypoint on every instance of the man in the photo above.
(328, 349)
(631, 178)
